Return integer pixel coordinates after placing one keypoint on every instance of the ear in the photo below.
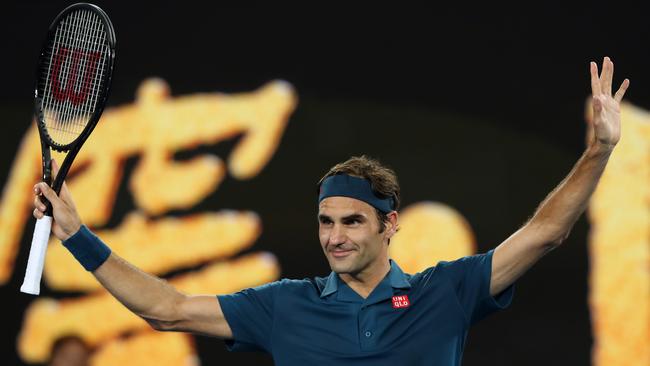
(391, 225)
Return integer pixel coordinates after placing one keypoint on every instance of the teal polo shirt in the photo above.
(419, 319)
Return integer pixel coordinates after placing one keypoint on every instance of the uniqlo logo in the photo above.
(401, 301)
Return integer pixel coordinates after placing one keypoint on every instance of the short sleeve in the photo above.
(471, 277)
(249, 314)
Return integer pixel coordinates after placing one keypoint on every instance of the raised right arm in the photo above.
(147, 296)
(159, 303)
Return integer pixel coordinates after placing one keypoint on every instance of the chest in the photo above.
(408, 321)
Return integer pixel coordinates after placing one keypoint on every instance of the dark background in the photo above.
(478, 108)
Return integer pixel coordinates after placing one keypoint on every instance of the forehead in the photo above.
(343, 206)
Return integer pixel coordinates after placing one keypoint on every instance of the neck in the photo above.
(364, 282)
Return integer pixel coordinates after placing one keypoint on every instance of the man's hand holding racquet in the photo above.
(66, 219)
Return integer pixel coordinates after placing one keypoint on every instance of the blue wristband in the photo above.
(87, 248)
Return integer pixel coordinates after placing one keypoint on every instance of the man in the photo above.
(367, 311)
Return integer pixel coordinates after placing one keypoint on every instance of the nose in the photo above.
(337, 235)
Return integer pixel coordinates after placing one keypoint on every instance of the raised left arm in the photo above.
(556, 215)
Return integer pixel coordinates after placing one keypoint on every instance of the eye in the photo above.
(352, 221)
(324, 220)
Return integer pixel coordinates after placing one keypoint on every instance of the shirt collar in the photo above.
(396, 278)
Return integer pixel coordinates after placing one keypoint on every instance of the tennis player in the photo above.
(367, 311)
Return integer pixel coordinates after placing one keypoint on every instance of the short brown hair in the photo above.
(383, 179)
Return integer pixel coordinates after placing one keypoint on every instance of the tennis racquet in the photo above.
(73, 78)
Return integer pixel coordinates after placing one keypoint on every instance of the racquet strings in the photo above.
(72, 75)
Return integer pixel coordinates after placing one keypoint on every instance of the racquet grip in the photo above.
(32, 282)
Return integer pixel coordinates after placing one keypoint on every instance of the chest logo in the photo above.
(401, 301)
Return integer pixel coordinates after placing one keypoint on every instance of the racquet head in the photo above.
(74, 75)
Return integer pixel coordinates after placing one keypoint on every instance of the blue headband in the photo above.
(353, 187)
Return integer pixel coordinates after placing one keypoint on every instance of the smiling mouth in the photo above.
(341, 253)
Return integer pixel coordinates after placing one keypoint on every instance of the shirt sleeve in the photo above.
(471, 277)
(249, 314)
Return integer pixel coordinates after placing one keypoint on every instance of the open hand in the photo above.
(606, 120)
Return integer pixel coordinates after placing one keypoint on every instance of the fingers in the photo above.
(38, 214)
(595, 81)
(45, 190)
(606, 76)
(38, 204)
(603, 84)
(621, 91)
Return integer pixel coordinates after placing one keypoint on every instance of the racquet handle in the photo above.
(32, 282)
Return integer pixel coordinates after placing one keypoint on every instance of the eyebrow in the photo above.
(322, 217)
(354, 216)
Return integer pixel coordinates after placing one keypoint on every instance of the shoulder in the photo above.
(470, 265)
(452, 267)
(268, 293)
(300, 285)
(287, 284)
(424, 277)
